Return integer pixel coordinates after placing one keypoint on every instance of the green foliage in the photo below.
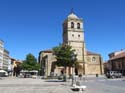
(65, 55)
(30, 63)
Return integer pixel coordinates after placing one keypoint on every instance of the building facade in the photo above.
(14, 65)
(46, 59)
(6, 59)
(73, 35)
(4, 56)
(1, 53)
(93, 63)
(116, 62)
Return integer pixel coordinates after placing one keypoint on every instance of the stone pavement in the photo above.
(29, 85)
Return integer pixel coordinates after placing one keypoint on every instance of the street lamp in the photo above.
(73, 66)
(73, 58)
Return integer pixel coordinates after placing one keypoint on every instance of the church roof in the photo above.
(91, 53)
(47, 51)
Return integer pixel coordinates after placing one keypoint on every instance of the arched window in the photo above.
(93, 59)
(78, 25)
(72, 25)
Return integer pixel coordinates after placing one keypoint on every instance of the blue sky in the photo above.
(29, 26)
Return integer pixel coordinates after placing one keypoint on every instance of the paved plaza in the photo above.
(29, 85)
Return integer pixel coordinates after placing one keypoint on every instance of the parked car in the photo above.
(3, 73)
(113, 74)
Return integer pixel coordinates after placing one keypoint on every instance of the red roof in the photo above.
(47, 51)
(121, 55)
(91, 53)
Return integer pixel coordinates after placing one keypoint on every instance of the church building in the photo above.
(73, 35)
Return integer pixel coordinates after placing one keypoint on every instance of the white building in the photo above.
(1, 53)
(4, 56)
(6, 59)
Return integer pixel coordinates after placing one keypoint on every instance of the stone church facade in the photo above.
(73, 35)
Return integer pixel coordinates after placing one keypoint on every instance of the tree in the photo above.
(65, 56)
(30, 63)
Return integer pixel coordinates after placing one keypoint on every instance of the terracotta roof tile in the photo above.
(121, 55)
(91, 53)
(48, 51)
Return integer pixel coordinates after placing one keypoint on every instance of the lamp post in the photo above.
(73, 58)
(73, 74)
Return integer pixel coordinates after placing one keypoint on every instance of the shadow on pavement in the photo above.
(54, 81)
(0, 78)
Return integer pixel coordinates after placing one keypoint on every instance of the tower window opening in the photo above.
(78, 25)
(72, 35)
(78, 35)
(72, 25)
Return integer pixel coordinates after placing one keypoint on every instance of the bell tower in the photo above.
(73, 35)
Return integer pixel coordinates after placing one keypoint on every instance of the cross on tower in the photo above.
(72, 11)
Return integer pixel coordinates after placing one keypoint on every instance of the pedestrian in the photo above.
(80, 76)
